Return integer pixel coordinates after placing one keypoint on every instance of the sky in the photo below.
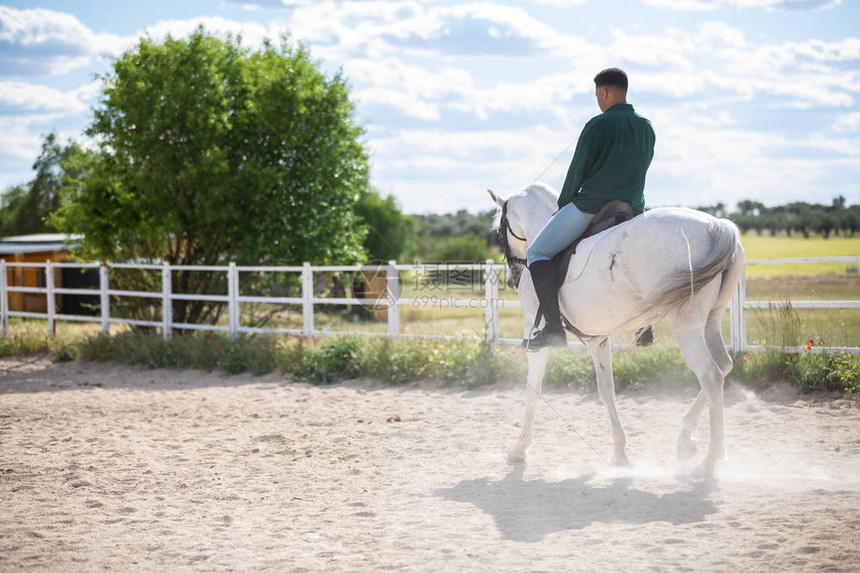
(750, 99)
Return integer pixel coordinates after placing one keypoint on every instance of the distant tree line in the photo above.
(798, 217)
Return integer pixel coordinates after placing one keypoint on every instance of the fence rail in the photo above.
(492, 274)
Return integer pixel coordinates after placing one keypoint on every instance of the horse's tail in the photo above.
(726, 253)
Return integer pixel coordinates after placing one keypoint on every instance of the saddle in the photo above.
(613, 213)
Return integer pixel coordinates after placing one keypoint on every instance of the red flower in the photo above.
(513, 351)
(809, 347)
(811, 342)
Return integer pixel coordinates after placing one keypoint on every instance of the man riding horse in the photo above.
(612, 156)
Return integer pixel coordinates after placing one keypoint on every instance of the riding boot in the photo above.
(644, 337)
(546, 286)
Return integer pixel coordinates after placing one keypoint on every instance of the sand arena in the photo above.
(106, 467)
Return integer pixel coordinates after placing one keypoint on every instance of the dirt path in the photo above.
(106, 467)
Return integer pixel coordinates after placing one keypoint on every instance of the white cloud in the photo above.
(45, 41)
(252, 33)
(22, 136)
(672, 47)
(718, 34)
(561, 3)
(847, 123)
(708, 5)
(22, 96)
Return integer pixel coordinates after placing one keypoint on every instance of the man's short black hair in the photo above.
(611, 78)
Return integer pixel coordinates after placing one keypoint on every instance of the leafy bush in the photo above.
(463, 363)
(838, 372)
(330, 361)
(760, 368)
(289, 352)
(395, 361)
(453, 362)
(254, 355)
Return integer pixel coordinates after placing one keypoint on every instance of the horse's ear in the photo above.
(498, 200)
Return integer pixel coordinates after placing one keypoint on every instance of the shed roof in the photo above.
(44, 242)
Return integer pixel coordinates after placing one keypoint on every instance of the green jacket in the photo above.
(612, 156)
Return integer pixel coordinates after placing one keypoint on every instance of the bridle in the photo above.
(504, 229)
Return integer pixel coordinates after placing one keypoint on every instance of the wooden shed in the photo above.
(39, 249)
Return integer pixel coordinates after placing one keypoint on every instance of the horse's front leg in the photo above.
(601, 354)
(537, 367)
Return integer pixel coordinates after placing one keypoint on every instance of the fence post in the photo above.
(742, 320)
(105, 299)
(166, 302)
(491, 295)
(232, 302)
(734, 331)
(392, 295)
(52, 301)
(4, 299)
(307, 300)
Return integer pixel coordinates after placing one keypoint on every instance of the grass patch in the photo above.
(25, 341)
(782, 247)
(631, 368)
(456, 362)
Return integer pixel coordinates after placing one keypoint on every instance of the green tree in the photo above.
(463, 249)
(209, 152)
(390, 233)
(718, 210)
(26, 209)
(749, 207)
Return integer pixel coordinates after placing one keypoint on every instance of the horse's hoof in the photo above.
(686, 448)
(705, 470)
(620, 460)
(517, 455)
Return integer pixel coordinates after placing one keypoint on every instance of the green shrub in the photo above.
(760, 368)
(661, 364)
(570, 370)
(332, 360)
(458, 362)
(395, 361)
(249, 354)
(453, 362)
(289, 352)
(837, 372)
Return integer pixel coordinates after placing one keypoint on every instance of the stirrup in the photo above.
(545, 338)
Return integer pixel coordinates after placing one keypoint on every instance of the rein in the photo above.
(504, 229)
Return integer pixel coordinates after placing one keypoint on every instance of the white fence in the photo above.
(492, 275)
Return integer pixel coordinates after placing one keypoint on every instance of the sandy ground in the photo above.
(106, 467)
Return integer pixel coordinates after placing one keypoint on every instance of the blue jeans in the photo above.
(560, 231)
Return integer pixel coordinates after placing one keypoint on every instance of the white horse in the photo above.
(677, 265)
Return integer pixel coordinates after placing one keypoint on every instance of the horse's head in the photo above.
(512, 238)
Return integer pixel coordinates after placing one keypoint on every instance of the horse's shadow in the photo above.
(528, 510)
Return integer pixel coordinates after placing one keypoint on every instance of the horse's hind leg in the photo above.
(686, 442)
(537, 367)
(697, 354)
(601, 354)
(717, 348)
